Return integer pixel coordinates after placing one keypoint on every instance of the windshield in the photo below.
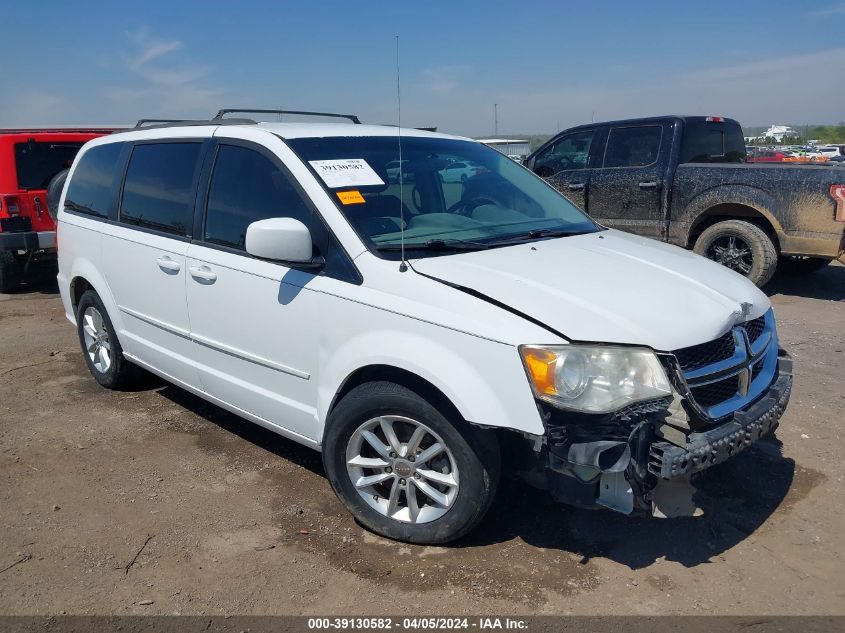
(454, 194)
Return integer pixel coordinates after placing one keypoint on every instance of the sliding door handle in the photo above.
(577, 186)
(651, 184)
(203, 274)
(168, 264)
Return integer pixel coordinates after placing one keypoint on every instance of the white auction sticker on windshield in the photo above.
(346, 172)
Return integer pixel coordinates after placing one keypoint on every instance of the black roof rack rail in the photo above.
(142, 122)
(351, 117)
(154, 124)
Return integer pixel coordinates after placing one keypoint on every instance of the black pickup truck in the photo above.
(684, 180)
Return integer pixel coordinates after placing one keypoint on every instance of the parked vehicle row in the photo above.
(814, 154)
(684, 180)
(423, 337)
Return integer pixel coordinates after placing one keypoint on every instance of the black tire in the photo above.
(475, 453)
(54, 193)
(761, 257)
(11, 272)
(799, 265)
(120, 373)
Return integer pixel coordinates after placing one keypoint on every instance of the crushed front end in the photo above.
(727, 394)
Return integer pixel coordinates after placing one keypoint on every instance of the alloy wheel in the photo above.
(402, 469)
(97, 342)
(733, 252)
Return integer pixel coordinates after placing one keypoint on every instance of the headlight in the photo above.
(594, 379)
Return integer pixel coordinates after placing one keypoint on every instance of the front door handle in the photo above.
(203, 273)
(577, 186)
(651, 184)
(168, 264)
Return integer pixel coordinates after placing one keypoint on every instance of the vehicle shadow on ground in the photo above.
(737, 498)
(827, 284)
(244, 429)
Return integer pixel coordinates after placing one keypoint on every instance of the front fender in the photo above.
(484, 380)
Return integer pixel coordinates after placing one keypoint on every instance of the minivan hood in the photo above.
(608, 287)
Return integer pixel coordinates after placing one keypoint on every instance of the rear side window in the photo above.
(37, 163)
(636, 146)
(160, 186)
(246, 186)
(712, 142)
(91, 189)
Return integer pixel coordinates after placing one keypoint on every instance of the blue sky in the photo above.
(548, 65)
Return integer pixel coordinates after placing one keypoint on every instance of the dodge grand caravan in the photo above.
(420, 333)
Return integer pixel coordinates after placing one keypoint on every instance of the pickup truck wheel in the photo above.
(405, 469)
(54, 193)
(800, 265)
(100, 346)
(742, 247)
(11, 272)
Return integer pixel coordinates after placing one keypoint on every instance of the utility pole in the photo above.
(496, 120)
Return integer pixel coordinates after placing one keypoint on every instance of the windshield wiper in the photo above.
(537, 234)
(437, 245)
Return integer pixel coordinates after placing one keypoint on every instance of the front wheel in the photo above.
(801, 265)
(742, 247)
(406, 469)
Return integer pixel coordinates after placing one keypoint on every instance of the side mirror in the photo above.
(281, 239)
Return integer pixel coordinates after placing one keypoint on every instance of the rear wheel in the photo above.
(405, 469)
(742, 247)
(801, 265)
(11, 272)
(100, 345)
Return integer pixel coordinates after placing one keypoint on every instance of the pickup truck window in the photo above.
(636, 146)
(712, 142)
(569, 152)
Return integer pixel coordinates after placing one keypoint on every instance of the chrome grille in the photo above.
(726, 374)
(704, 354)
(755, 328)
(715, 392)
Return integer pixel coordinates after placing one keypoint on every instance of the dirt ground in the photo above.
(154, 502)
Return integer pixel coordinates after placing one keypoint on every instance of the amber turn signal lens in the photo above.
(541, 366)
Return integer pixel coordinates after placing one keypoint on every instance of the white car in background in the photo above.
(272, 270)
(459, 171)
(828, 151)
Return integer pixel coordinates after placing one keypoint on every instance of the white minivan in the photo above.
(421, 332)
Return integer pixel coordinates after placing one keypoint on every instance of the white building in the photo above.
(508, 146)
(778, 132)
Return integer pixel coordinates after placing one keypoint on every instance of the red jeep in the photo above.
(33, 167)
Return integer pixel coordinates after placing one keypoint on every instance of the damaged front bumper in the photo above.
(626, 461)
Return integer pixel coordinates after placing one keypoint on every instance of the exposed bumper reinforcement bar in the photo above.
(715, 446)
